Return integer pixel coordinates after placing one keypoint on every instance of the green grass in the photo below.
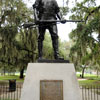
(11, 77)
(88, 76)
(90, 80)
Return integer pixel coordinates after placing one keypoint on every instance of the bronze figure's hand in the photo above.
(63, 21)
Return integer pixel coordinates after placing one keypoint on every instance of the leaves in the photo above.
(86, 48)
(17, 46)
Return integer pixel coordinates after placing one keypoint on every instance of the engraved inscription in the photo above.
(51, 90)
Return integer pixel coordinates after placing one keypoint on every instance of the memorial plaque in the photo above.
(51, 90)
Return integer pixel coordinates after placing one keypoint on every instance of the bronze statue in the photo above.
(46, 11)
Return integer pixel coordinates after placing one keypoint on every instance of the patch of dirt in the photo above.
(97, 82)
(82, 79)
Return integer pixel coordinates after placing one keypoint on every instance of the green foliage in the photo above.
(48, 49)
(65, 9)
(85, 50)
(17, 45)
(64, 49)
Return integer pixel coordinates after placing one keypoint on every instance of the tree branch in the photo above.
(90, 13)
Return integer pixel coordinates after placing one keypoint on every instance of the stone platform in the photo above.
(52, 61)
(50, 81)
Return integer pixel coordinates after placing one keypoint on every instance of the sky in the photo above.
(63, 29)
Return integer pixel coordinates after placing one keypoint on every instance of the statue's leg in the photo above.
(54, 35)
(40, 41)
(55, 47)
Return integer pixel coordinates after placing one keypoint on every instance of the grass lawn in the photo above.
(89, 76)
(89, 82)
(6, 78)
(89, 79)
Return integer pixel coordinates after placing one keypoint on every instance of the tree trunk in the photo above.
(97, 73)
(83, 69)
(4, 71)
(22, 73)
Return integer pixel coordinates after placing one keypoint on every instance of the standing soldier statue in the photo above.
(46, 12)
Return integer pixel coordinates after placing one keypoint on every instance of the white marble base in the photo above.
(50, 71)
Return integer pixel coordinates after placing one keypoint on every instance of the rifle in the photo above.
(28, 25)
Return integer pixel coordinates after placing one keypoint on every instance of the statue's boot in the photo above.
(40, 46)
(56, 51)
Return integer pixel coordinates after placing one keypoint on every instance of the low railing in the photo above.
(90, 92)
(6, 93)
(87, 92)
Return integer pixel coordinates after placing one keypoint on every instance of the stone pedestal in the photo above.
(45, 81)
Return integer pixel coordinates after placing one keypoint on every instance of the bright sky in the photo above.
(63, 29)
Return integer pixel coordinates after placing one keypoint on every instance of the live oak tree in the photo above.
(85, 50)
(17, 45)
